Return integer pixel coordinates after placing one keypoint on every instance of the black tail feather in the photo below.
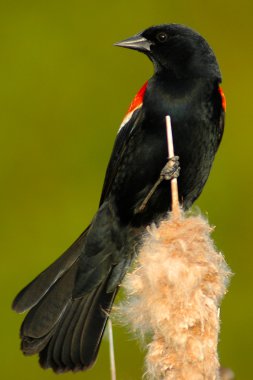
(65, 330)
(30, 346)
(75, 342)
(65, 350)
(71, 346)
(44, 316)
(57, 344)
(94, 326)
(36, 290)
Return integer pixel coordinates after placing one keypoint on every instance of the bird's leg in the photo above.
(170, 170)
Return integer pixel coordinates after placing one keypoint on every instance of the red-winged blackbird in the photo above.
(69, 302)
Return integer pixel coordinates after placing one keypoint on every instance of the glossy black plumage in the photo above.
(69, 302)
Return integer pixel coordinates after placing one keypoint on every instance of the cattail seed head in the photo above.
(173, 294)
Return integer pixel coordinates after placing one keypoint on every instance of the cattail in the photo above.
(174, 294)
(173, 297)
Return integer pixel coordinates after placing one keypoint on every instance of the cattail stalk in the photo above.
(174, 188)
(111, 350)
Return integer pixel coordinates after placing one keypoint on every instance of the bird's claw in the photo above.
(171, 169)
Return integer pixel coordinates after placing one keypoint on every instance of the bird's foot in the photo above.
(171, 170)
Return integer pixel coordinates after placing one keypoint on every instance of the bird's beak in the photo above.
(136, 42)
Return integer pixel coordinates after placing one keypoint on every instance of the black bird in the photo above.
(70, 301)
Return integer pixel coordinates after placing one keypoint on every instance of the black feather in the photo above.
(76, 339)
(35, 290)
(44, 316)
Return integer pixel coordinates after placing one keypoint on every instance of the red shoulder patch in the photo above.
(223, 99)
(136, 103)
(138, 99)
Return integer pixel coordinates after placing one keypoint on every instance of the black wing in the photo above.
(120, 144)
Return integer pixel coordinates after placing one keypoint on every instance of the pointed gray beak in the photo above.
(136, 42)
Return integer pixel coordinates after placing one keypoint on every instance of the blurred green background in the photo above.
(64, 91)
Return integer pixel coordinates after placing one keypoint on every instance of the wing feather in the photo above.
(121, 141)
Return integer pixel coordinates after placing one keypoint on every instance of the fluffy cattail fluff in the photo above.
(173, 295)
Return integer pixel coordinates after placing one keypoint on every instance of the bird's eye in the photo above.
(161, 37)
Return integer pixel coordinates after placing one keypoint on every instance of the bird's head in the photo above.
(175, 49)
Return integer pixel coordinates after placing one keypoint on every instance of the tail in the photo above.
(66, 332)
